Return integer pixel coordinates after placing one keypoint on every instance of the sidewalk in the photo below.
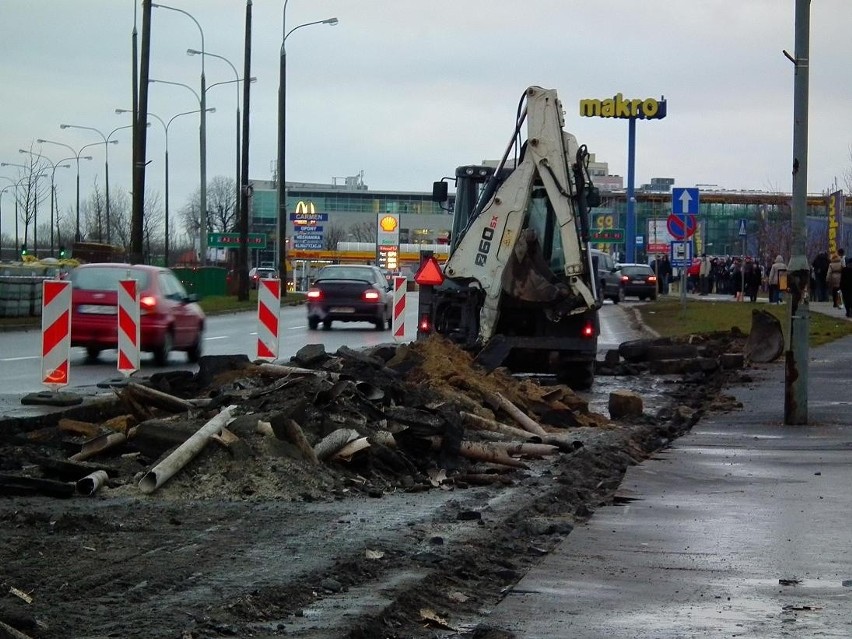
(741, 529)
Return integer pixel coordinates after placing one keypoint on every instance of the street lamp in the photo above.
(237, 129)
(53, 166)
(166, 126)
(77, 157)
(202, 134)
(107, 142)
(281, 226)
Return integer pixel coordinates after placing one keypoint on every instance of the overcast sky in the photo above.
(405, 90)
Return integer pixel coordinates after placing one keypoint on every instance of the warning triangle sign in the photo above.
(429, 273)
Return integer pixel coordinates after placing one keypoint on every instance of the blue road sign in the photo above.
(684, 201)
(681, 227)
(680, 253)
(742, 232)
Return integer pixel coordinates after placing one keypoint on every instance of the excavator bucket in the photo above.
(766, 340)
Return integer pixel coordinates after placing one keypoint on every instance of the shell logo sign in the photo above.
(388, 223)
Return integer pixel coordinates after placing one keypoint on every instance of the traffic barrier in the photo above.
(128, 327)
(400, 284)
(268, 312)
(55, 332)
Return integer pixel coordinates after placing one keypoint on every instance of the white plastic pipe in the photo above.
(184, 453)
(90, 484)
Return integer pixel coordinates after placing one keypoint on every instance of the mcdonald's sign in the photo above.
(306, 211)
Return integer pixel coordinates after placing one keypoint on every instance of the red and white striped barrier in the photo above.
(399, 286)
(128, 327)
(55, 332)
(268, 313)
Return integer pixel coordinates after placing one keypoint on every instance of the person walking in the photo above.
(664, 274)
(704, 274)
(820, 266)
(774, 280)
(846, 288)
(832, 278)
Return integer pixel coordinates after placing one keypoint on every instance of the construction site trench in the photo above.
(391, 492)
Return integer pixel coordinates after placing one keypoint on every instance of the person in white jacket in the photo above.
(774, 280)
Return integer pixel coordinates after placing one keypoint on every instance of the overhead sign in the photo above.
(232, 240)
(742, 229)
(685, 201)
(681, 227)
(620, 107)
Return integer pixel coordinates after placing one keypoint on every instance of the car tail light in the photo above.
(314, 294)
(624, 278)
(148, 304)
(370, 295)
(589, 330)
(652, 278)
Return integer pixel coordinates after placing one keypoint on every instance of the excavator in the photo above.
(519, 286)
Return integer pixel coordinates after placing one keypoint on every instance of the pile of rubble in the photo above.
(395, 417)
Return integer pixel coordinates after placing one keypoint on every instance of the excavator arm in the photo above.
(499, 254)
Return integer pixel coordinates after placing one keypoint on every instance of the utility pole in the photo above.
(140, 127)
(796, 369)
(245, 191)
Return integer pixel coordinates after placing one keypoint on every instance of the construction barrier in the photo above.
(55, 332)
(399, 288)
(268, 313)
(128, 327)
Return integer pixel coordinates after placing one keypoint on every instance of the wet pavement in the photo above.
(741, 529)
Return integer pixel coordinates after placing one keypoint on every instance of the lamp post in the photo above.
(107, 142)
(166, 126)
(202, 237)
(281, 226)
(77, 157)
(53, 166)
(202, 134)
(237, 128)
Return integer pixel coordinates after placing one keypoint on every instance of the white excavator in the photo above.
(519, 286)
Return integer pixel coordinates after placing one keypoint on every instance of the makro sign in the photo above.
(620, 107)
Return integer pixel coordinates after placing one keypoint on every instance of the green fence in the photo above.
(204, 281)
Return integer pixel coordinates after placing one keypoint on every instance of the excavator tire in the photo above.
(578, 375)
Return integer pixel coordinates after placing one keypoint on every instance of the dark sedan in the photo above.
(638, 280)
(350, 293)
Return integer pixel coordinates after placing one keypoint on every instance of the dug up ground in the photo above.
(395, 492)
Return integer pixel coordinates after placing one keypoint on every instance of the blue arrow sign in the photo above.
(742, 231)
(684, 201)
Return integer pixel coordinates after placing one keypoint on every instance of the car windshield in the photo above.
(345, 273)
(634, 271)
(106, 278)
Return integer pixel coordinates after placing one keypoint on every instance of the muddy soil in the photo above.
(267, 545)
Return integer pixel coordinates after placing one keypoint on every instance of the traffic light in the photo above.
(61, 252)
(23, 250)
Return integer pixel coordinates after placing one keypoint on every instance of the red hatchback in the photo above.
(170, 319)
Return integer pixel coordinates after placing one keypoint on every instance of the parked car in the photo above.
(350, 293)
(261, 273)
(608, 280)
(638, 280)
(170, 319)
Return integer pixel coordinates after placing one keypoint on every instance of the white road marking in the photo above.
(19, 359)
(210, 339)
(294, 328)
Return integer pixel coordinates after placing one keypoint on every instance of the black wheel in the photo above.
(92, 353)
(641, 298)
(390, 321)
(578, 375)
(193, 354)
(313, 323)
(653, 297)
(326, 324)
(161, 353)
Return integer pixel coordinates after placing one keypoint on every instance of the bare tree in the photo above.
(363, 232)
(222, 213)
(334, 233)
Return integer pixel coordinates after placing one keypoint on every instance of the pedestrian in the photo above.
(842, 253)
(832, 279)
(748, 279)
(774, 280)
(846, 288)
(704, 274)
(820, 266)
(664, 274)
(737, 279)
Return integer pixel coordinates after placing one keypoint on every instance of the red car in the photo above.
(170, 319)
